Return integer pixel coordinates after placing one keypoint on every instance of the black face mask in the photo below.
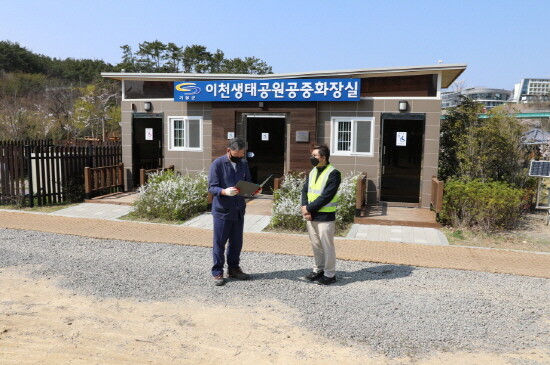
(235, 158)
(314, 161)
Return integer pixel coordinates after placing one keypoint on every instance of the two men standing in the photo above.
(319, 201)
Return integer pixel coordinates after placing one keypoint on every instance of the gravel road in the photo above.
(393, 310)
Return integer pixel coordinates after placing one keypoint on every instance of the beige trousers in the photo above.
(321, 235)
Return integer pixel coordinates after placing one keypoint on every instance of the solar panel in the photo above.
(539, 168)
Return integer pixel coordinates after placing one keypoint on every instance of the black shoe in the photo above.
(237, 273)
(312, 276)
(325, 280)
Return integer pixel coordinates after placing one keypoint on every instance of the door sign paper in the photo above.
(265, 136)
(401, 139)
(148, 134)
(230, 135)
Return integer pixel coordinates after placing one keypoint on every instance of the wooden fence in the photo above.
(28, 142)
(144, 174)
(13, 169)
(437, 194)
(38, 172)
(103, 179)
(360, 194)
(12, 173)
(84, 142)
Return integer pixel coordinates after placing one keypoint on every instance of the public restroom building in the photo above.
(382, 121)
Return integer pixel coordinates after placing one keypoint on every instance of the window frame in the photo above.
(171, 133)
(334, 136)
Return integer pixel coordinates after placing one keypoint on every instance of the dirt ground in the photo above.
(532, 234)
(41, 323)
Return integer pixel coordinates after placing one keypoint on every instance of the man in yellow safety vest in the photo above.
(319, 199)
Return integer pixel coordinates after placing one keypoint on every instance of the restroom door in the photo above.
(402, 146)
(146, 145)
(265, 137)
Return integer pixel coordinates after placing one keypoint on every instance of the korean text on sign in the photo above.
(269, 90)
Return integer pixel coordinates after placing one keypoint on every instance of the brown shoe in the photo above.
(237, 273)
(218, 280)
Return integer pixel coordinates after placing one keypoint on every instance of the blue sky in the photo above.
(501, 41)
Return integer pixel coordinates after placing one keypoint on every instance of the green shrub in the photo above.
(484, 205)
(172, 196)
(287, 202)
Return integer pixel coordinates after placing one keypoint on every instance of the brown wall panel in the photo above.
(302, 116)
(415, 85)
(302, 119)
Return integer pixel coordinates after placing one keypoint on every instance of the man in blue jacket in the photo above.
(228, 210)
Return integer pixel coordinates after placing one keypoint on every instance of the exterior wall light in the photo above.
(147, 106)
(403, 106)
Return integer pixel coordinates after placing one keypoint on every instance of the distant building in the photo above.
(450, 99)
(486, 96)
(536, 136)
(532, 91)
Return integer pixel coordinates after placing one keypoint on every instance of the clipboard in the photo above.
(247, 189)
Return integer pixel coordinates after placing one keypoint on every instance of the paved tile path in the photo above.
(256, 223)
(437, 256)
(92, 210)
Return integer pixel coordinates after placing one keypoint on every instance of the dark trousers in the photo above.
(231, 232)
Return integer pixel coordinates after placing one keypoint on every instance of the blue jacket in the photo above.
(223, 175)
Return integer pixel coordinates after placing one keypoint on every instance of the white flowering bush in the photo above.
(172, 196)
(286, 211)
(345, 210)
(287, 202)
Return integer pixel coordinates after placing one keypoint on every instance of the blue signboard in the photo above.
(269, 90)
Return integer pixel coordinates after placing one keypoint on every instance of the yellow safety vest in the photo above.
(315, 188)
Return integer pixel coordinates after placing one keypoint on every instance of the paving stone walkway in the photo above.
(92, 210)
(356, 249)
(257, 223)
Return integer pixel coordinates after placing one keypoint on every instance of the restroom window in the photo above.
(186, 133)
(352, 136)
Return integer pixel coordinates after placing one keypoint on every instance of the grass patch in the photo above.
(344, 232)
(531, 235)
(39, 209)
(270, 228)
(132, 216)
(339, 232)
